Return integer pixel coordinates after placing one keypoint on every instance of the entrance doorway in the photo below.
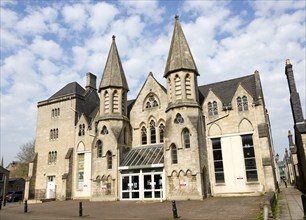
(50, 187)
(130, 187)
(142, 185)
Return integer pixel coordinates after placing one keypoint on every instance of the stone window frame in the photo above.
(174, 157)
(104, 130)
(109, 160)
(143, 135)
(218, 160)
(52, 157)
(161, 129)
(55, 112)
(186, 138)
(99, 146)
(151, 101)
(179, 119)
(153, 132)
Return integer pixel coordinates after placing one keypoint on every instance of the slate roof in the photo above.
(179, 56)
(113, 74)
(70, 89)
(225, 90)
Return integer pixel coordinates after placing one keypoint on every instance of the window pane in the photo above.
(216, 143)
(219, 177)
(250, 164)
(187, 138)
(251, 175)
(248, 152)
(217, 154)
(218, 166)
(125, 182)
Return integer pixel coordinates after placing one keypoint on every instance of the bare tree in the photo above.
(26, 152)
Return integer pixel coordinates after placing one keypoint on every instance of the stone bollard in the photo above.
(304, 204)
(26, 206)
(265, 212)
(80, 209)
(174, 210)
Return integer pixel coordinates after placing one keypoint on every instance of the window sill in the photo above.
(252, 183)
(220, 184)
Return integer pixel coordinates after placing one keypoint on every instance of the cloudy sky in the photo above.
(47, 44)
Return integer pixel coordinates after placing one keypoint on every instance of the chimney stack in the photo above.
(90, 81)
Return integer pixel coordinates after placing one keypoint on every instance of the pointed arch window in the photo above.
(170, 89)
(245, 103)
(52, 114)
(161, 133)
(174, 154)
(215, 108)
(186, 138)
(239, 104)
(115, 102)
(104, 130)
(210, 109)
(178, 89)
(151, 102)
(109, 160)
(179, 119)
(123, 103)
(106, 102)
(188, 86)
(143, 135)
(153, 132)
(99, 148)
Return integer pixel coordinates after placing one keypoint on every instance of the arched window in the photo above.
(245, 103)
(174, 154)
(178, 90)
(104, 130)
(55, 112)
(143, 135)
(99, 148)
(83, 129)
(56, 133)
(151, 102)
(215, 108)
(210, 109)
(153, 132)
(161, 133)
(239, 104)
(49, 158)
(51, 134)
(80, 130)
(188, 86)
(52, 114)
(170, 89)
(186, 138)
(58, 112)
(106, 102)
(178, 119)
(115, 102)
(109, 160)
(123, 103)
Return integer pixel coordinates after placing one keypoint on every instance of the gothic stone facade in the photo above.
(181, 142)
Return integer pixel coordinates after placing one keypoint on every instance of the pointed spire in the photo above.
(179, 56)
(113, 75)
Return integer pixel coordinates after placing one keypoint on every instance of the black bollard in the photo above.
(4, 202)
(0, 204)
(80, 209)
(26, 206)
(174, 210)
(304, 204)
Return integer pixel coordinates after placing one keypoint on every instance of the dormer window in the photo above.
(212, 108)
(242, 104)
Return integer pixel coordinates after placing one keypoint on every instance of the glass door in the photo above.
(130, 187)
(152, 186)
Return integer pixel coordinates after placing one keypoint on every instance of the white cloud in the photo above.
(101, 15)
(150, 10)
(46, 48)
(75, 16)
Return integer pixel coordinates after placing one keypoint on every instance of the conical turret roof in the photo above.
(113, 75)
(179, 56)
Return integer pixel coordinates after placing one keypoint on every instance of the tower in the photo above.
(185, 143)
(112, 136)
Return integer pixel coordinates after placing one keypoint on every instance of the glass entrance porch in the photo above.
(143, 185)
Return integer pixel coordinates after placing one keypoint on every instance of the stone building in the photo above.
(299, 130)
(181, 142)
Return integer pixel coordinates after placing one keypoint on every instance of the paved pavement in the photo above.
(229, 208)
(290, 204)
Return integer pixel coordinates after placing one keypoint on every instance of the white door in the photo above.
(51, 187)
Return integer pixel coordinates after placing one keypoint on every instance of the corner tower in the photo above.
(185, 148)
(113, 136)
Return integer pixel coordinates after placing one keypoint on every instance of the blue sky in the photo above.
(47, 44)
